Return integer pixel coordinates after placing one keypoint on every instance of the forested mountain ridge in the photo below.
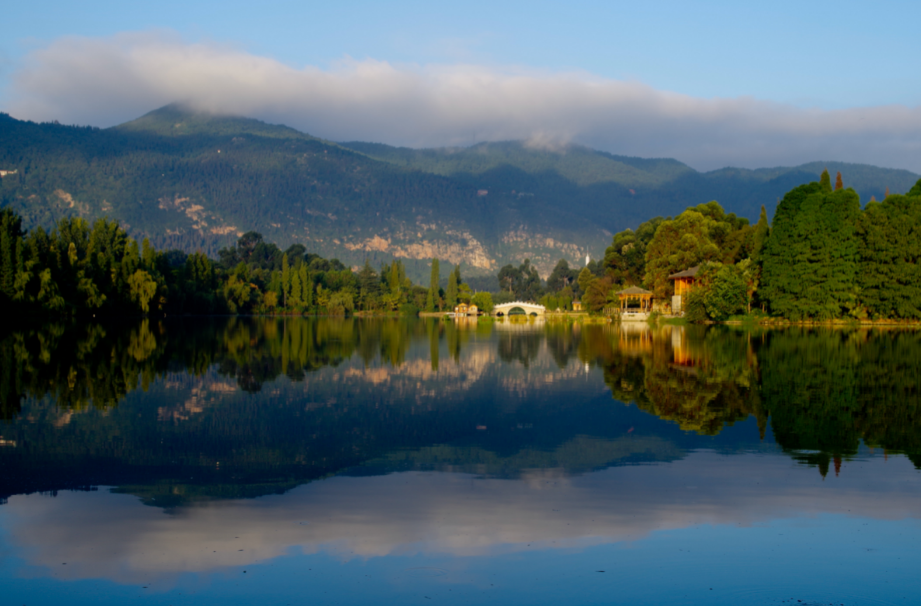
(196, 181)
(632, 189)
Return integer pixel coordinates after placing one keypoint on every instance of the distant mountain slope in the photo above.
(192, 180)
(640, 187)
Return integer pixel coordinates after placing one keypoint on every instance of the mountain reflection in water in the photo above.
(260, 405)
(368, 438)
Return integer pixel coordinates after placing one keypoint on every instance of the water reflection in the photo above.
(334, 394)
(264, 439)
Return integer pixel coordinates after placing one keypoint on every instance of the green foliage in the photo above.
(678, 244)
(625, 258)
(191, 181)
(79, 269)
(889, 278)
(759, 236)
(561, 276)
(522, 283)
(695, 306)
(810, 261)
(726, 294)
(451, 292)
(433, 298)
(483, 301)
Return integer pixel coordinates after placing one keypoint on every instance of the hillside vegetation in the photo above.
(195, 181)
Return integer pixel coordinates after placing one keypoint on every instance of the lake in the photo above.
(393, 461)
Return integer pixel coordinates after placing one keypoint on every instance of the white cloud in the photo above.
(105, 81)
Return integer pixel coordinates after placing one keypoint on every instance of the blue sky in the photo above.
(794, 57)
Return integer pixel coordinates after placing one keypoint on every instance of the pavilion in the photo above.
(640, 295)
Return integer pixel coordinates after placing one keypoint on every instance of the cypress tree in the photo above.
(285, 279)
(760, 236)
(451, 292)
(6, 260)
(294, 297)
(839, 183)
(306, 285)
(825, 181)
(433, 285)
(369, 286)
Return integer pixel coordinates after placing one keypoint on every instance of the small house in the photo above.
(684, 282)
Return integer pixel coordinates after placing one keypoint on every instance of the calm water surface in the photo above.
(299, 461)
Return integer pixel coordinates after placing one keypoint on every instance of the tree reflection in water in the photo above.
(388, 385)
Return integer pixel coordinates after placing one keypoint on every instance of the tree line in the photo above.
(80, 270)
(822, 258)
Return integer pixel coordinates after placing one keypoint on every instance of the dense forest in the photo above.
(822, 258)
(78, 270)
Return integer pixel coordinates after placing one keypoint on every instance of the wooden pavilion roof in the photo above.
(688, 273)
(633, 291)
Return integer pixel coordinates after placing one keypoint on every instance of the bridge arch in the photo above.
(527, 309)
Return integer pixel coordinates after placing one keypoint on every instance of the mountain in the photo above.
(193, 180)
(639, 188)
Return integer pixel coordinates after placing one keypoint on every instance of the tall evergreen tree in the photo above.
(810, 263)
(451, 292)
(285, 279)
(759, 236)
(890, 251)
(433, 286)
(306, 294)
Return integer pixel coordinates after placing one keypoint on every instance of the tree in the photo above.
(529, 285)
(432, 299)
(759, 236)
(679, 244)
(306, 286)
(368, 287)
(294, 292)
(285, 279)
(839, 183)
(726, 294)
(483, 301)
(561, 276)
(889, 233)
(339, 303)
(625, 259)
(142, 288)
(509, 277)
(451, 292)
(586, 279)
(810, 260)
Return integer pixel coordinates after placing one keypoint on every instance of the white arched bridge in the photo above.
(519, 307)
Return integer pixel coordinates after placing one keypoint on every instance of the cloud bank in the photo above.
(106, 81)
